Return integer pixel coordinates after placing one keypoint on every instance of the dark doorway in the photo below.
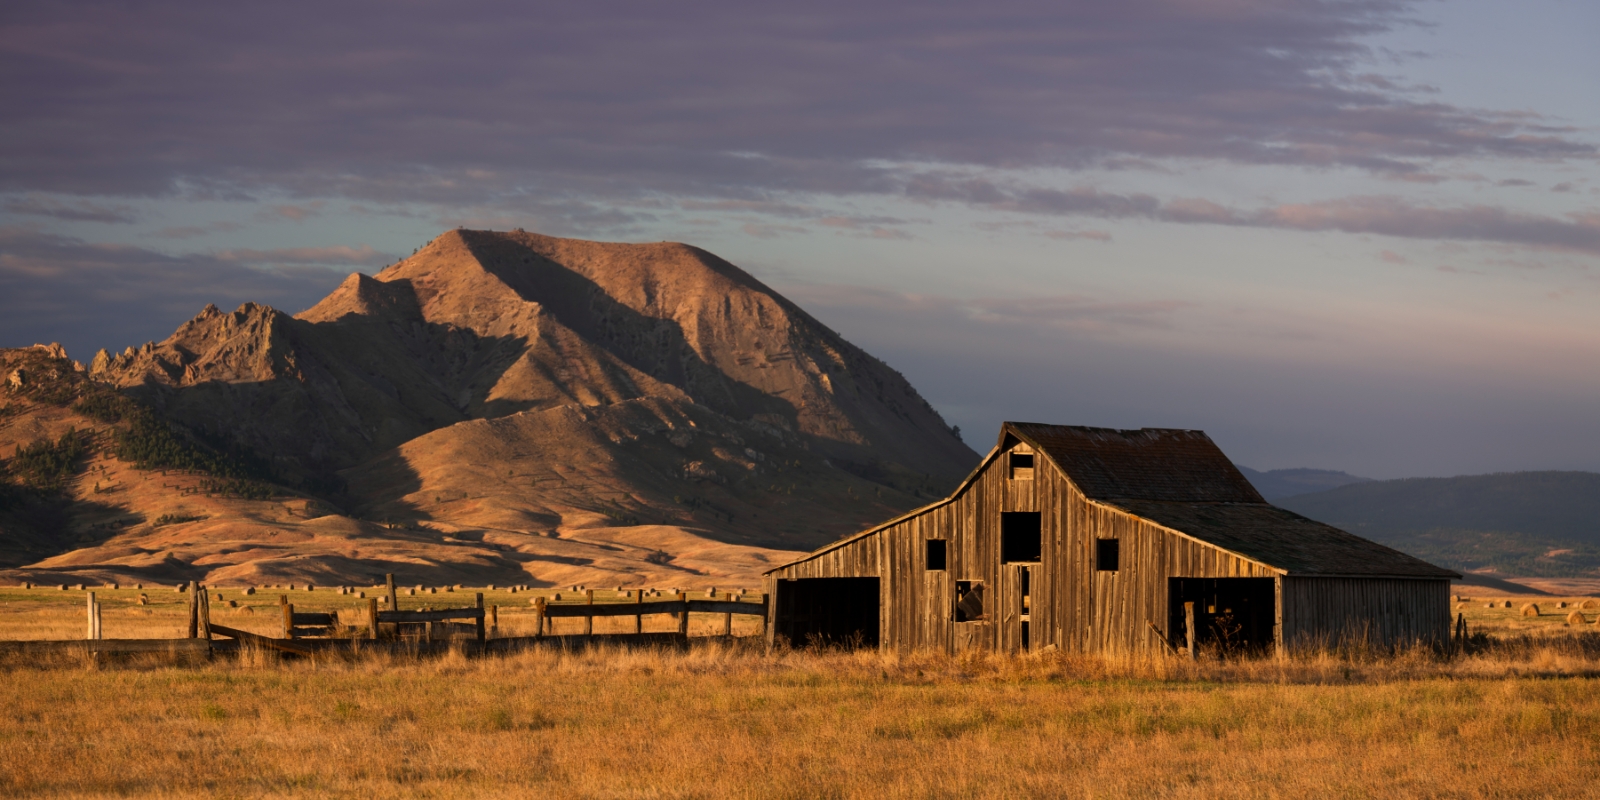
(1233, 615)
(1020, 539)
(840, 612)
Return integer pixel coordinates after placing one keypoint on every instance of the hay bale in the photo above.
(27, 585)
(489, 588)
(233, 604)
(1505, 604)
(1561, 604)
(138, 586)
(249, 590)
(410, 591)
(1575, 618)
(219, 595)
(61, 587)
(247, 610)
(144, 599)
(1590, 603)
(362, 595)
(1530, 610)
(78, 586)
(310, 588)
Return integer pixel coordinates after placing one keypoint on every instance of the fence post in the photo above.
(1188, 625)
(394, 599)
(727, 624)
(638, 616)
(93, 631)
(683, 616)
(494, 620)
(288, 616)
(481, 620)
(588, 619)
(372, 618)
(194, 612)
(538, 617)
(205, 612)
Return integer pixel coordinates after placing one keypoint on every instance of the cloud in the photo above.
(72, 210)
(1564, 186)
(88, 296)
(451, 104)
(291, 212)
(339, 255)
(1382, 215)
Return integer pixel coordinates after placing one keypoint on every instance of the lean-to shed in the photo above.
(1094, 540)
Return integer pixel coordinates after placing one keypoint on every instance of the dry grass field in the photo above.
(1519, 718)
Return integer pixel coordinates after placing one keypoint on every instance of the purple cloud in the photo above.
(440, 102)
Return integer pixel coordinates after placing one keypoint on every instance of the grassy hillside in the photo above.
(1544, 524)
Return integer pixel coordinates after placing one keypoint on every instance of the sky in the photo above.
(1359, 235)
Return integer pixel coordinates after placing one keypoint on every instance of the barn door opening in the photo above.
(839, 612)
(1231, 615)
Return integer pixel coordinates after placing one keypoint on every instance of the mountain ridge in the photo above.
(516, 385)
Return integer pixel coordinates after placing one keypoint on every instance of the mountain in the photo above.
(1274, 485)
(559, 410)
(1520, 523)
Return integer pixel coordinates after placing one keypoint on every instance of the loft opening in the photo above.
(936, 555)
(840, 612)
(1021, 537)
(1021, 465)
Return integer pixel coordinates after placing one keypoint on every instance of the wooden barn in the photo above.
(1101, 540)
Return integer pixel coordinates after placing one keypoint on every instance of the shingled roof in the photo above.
(1147, 464)
(1182, 481)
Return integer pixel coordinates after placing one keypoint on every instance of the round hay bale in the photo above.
(247, 610)
(1590, 603)
(61, 587)
(489, 588)
(362, 595)
(513, 590)
(249, 590)
(144, 600)
(1505, 604)
(1561, 604)
(556, 597)
(27, 585)
(1576, 618)
(1530, 610)
(233, 604)
(310, 588)
(219, 595)
(138, 586)
(410, 591)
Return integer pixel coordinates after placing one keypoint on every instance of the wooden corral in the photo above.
(1097, 540)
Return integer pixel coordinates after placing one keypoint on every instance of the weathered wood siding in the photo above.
(1384, 612)
(1074, 607)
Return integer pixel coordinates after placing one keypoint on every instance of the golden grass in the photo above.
(721, 720)
(1517, 718)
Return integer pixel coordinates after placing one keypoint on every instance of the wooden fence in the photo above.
(305, 633)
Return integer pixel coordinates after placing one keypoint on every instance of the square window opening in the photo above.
(936, 549)
(1021, 541)
(1107, 553)
(1022, 466)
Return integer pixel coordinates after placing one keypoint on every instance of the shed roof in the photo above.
(1283, 539)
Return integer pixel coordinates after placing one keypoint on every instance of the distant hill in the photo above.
(1544, 524)
(1277, 484)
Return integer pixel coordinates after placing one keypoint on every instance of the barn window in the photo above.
(935, 554)
(1019, 537)
(1106, 554)
(1022, 466)
(969, 601)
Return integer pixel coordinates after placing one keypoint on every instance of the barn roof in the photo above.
(1147, 464)
(1283, 539)
(1181, 480)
